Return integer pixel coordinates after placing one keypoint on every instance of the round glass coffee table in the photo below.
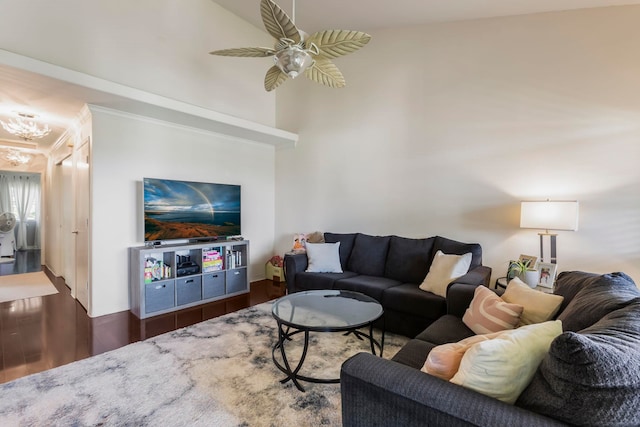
(322, 311)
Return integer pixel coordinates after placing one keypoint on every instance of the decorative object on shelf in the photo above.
(295, 52)
(25, 127)
(547, 273)
(17, 158)
(549, 215)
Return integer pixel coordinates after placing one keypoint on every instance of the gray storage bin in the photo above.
(237, 280)
(213, 284)
(159, 296)
(188, 289)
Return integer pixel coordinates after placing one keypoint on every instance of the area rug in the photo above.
(215, 373)
(27, 285)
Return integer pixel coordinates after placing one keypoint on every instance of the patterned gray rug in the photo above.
(215, 373)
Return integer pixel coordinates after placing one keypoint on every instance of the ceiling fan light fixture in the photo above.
(293, 60)
(296, 52)
(25, 127)
(16, 158)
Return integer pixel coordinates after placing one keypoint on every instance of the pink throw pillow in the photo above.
(443, 360)
(489, 313)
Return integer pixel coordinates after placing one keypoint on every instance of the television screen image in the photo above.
(178, 210)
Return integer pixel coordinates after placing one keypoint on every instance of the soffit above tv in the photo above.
(105, 95)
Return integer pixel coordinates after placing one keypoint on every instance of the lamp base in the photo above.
(552, 246)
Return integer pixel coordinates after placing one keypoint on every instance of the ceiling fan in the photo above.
(296, 52)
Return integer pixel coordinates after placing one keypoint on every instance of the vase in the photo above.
(531, 278)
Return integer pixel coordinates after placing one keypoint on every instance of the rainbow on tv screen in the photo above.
(190, 210)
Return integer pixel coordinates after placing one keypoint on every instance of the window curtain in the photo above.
(5, 199)
(20, 194)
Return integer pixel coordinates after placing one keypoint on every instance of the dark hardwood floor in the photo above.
(41, 333)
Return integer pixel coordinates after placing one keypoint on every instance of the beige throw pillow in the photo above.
(538, 306)
(503, 366)
(444, 269)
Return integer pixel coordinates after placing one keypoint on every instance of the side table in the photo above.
(501, 283)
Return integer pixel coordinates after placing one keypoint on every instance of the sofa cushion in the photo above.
(449, 246)
(408, 260)
(311, 281)
(502, 367)
(368, 285)
(598, 297)
(346, 245)
(414, 353)
(488, 313)
(323, 258)
(538, 306)
(408, 298)
(569, 283)
(444, 269)
(592, 377)
(446, 329)
(369, 255)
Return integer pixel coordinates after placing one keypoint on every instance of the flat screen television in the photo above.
(179, 210)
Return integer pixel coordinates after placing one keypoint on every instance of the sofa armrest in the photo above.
(460, 292)
(293, 264)
(478, 276)
(380, 392)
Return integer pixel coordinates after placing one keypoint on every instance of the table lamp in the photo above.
(549, 215)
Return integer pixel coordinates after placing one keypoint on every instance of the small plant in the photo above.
(517, 268)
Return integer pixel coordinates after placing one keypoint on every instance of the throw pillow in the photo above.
(538, 306)
(323, 258)
(444, 269)
(443, 360)
(489, 313)
(592, 377)
(503, 367)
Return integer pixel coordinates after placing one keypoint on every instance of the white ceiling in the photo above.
(368, 15)
(57, 103)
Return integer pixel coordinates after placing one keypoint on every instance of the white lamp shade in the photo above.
(548, 215)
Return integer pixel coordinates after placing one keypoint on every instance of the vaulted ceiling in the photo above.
(58, 103)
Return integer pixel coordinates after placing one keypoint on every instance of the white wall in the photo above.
(159, 46)
(125, 149)
(444, 129)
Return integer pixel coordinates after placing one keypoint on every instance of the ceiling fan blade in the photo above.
(274, 78)
(277, 22)
(334, 43)
(255, 52)
(325, 72)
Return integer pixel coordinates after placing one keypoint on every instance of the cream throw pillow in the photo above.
(323, 258)
(444, 269)
(503, 367)
(538, 306)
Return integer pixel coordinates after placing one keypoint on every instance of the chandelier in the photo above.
(17, 158)
(25, 127)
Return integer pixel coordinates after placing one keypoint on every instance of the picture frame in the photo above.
(532, 260)
(547, 272)
(511, 271)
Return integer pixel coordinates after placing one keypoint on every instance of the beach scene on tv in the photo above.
(176, 210)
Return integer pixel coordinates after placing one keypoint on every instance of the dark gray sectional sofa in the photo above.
(389, 269)
(590, 377)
